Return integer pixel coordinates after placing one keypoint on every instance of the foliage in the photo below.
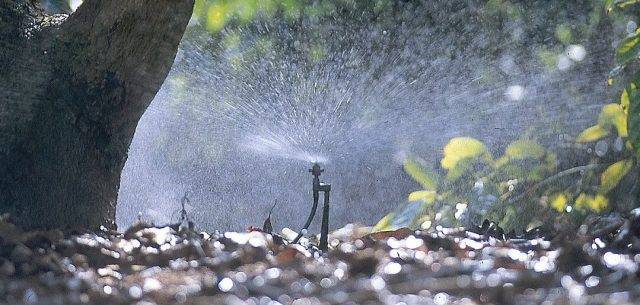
(612, 176)
(475, 181)
(610, 5)
(523, 186)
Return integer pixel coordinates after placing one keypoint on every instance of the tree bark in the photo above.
(72, 90)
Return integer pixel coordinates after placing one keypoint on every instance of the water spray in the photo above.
(317, 188)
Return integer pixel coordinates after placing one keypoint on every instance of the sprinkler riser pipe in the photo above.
(317, 188)
(324, 233)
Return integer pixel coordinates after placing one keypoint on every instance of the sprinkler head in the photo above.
(316, 170)
(317, 188)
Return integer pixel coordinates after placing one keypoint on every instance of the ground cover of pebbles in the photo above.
(167, 265)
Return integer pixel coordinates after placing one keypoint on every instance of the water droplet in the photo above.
(618, 145)
(601, 148)
(30, 296)
(564, 63)
(576, 52)
(631, 27)
(515, 92)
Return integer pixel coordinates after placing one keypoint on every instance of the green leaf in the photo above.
(612, 176)
(624, 99)
(427, 179)
(614, 115)
(559, 202)
(426, 196)
(610, 5)
(563, 33)
(384, 224)
(462, 167)
(582, 201)
(461, 148)
(406, 216)
(216, 17)
(628, 49)
(512, 220)
(596, 203)
(626, 3)
(633, 118)
(592, 133)
(523, 149)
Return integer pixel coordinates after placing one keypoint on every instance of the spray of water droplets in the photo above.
(235, 130)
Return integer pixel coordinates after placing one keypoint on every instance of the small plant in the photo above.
(523, 188)
(473, 185)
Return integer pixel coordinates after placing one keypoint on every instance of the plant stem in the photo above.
(555, 177)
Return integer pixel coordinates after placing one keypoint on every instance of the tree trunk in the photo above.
(72, 91)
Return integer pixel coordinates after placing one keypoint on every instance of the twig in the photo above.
(612, 228)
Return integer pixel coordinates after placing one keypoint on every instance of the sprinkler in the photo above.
(317, 188)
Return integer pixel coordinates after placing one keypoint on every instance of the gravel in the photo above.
(172, 265)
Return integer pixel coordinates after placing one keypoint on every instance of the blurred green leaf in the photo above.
(610, 5)
(612, 176)
(596, 203)
(462, 148)
(581, 201)
(427, 179)
(633, 118)
(548, 58)
(511, 220)
(245, 9)
(614, 115)
(520, 150)
(216, 17)
(408, 213)
(628, 49)
(563, 33)
(426, 196)
(559, 202)
(599, 203)
(462, 167)
(624, 99)
(384, 224)
(317, 52)
(592, 133)
(292, 8)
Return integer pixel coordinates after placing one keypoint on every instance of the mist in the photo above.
(243, 114)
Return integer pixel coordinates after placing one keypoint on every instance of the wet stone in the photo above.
(149, 265)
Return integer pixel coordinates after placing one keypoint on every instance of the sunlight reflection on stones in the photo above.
(392, 268)
(225, 285)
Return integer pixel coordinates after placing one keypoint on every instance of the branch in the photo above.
(571, 171)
